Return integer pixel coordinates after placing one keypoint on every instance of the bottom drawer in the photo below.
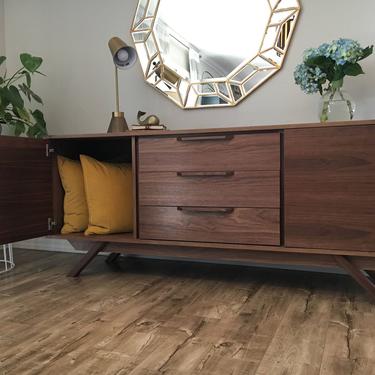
(226, 225)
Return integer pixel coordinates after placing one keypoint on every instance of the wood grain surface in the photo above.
(243, 225)
(239, 189)
(209, 131)
(177, 318)
(244, 152)
(128, 238)
(330, 188)
(25, 189)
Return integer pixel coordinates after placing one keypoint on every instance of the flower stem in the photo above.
(324, 114)
(349, 104)
(9, 81)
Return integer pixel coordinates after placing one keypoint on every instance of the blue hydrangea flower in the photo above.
(339, 52)
(324, 49)
(308, 78)
(315, 52)
(344, 50)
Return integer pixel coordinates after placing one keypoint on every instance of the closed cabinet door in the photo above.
(25, 189)
(330, 188)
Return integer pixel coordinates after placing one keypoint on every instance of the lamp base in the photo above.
(118, 123)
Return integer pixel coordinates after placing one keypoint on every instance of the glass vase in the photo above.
(337, 105)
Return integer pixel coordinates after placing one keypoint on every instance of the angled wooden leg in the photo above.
(365, 282)
(111, 258)
(87, 258)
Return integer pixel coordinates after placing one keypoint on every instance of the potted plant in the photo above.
(15, 90)
(323, 70)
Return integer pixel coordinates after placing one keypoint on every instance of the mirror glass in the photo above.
(204, 53)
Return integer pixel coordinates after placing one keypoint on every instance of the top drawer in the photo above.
(218, 152)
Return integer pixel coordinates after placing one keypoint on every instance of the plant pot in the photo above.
(337, 105)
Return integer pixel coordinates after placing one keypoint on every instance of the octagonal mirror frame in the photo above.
(228, 90)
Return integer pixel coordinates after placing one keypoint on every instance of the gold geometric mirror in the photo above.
(212, 53)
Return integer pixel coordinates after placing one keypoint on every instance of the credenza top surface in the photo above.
(242, 129)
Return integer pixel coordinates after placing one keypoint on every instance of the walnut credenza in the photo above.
(301, 194)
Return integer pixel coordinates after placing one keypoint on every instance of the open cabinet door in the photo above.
(25, 189)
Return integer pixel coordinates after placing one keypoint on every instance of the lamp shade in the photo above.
(123, 55)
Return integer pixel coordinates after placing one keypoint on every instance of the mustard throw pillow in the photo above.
(109, 195)
(76, 216)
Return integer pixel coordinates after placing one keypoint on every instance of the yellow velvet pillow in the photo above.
(76, 216)
(109, 195)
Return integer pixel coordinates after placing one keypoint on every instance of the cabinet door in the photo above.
(25, 189)
(330, 188)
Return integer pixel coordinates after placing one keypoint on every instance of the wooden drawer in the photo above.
(225, 188)
(244, 152)
(225, 225)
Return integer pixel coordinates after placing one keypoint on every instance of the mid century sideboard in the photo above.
(300, 194)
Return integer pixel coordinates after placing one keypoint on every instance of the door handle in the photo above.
(205, 138)
(205, 174)
(207, 210)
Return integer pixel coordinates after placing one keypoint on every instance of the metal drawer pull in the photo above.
(206, 138)
(208, 210)
(205, 174)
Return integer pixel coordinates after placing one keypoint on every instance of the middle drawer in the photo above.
(210, 189)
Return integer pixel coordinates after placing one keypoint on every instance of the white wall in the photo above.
(72, 36)
(2, 32)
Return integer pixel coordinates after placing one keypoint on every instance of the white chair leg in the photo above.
(7, 260)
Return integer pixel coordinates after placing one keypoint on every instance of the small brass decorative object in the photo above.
(150, 120)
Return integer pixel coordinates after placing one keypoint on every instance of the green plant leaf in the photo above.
(316, 61)
(367, 52)
(337, 84)
(2, 59)
(36, 97)
(31, 63)
(24, 88)
(39, 118)
(36, 131)
(325, 64)
(15, 97)
(23, 114)
(339, 74)
(353, 70)
(30, 93)
(25, 91)
(19, 127)
(32, 131)
(322, 62)
(11, 96)
(1, 80)
(28, 78)
(4, 97)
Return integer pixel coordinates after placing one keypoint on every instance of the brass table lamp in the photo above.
(124, 57)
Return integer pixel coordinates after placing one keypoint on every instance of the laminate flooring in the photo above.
(148, 317)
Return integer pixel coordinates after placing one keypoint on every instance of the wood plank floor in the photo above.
(144, 317)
